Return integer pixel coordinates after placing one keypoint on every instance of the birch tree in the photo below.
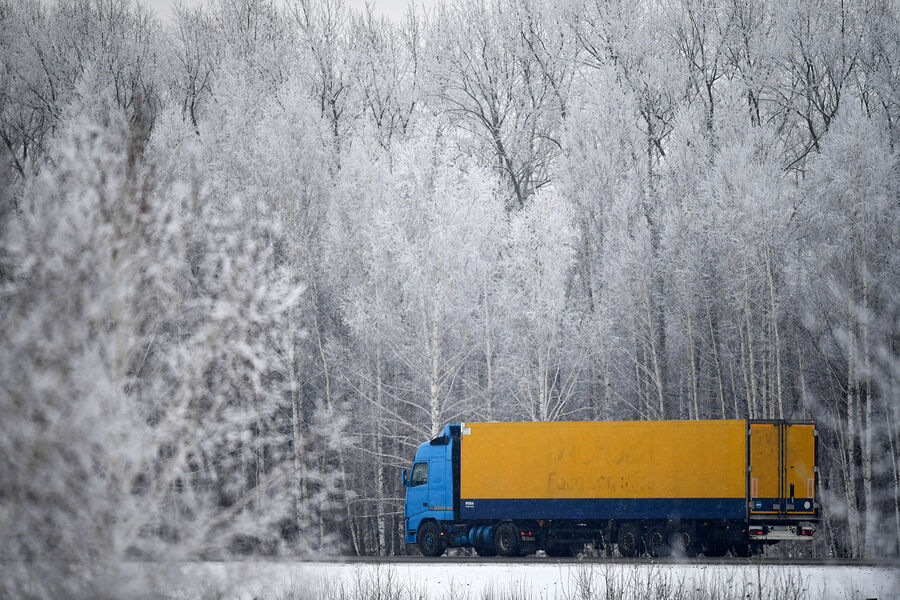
(855, 211)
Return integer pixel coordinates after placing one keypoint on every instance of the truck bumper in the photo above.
(781, 532)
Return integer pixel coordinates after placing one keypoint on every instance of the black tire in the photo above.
(657, 541)
(485, 551)
(506, 539)
(630, 541)
(741, 550)
(430, 542)
(684, 541)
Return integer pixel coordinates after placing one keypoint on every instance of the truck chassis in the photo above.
(632, 538)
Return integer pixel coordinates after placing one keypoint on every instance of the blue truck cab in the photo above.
(430, 484)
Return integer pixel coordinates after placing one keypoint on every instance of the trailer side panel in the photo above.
(600, 470)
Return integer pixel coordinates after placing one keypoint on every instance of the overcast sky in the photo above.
(389, 8)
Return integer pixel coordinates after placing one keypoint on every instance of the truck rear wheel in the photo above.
(430, 542)
(684, 541)
(629, 541)
(657, 541)
(506, 540)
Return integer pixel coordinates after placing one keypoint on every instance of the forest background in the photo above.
(250, 258)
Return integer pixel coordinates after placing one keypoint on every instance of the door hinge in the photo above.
(815, 469)
(749, 468)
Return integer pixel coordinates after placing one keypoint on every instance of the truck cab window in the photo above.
(419, 474)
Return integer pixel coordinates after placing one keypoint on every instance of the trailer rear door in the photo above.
(765, 469)
(782, 478)
(799, 468)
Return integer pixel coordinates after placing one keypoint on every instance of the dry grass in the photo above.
(584, 582)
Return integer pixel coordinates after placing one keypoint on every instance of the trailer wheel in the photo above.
(506, 539)
(430, 542)
(684, 541)
(657, 541)
(629, 541)
(485, 551)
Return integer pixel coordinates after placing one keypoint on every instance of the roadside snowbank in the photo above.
(470, 581)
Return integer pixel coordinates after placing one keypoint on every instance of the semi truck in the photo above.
(644, 487)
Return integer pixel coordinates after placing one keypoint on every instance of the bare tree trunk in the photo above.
(827, 519)
(803, 398)
(607, 386)
(638, 375)
(871, 515)
(657, 327)
(434, 387)
(657, 372)
(258, 454)
(542, 390)
(892, 446)
(244, 466)
(297, 440)
(850, 479)
(695, 403)
(745, 373)
(380, 528)
(714, 339)
(750, 359)
(766, 380)
(774, 317)
(734, 394)
(488, 353)
(329, 404)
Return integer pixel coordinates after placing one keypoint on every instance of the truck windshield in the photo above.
(419, 474)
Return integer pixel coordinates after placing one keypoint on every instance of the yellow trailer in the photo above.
(629, 469)
(704, 486)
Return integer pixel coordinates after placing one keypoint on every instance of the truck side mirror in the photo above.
(405, 478)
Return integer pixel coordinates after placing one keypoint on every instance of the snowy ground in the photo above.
(472, 581)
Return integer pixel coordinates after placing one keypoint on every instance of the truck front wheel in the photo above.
(506, 540)
(430, 542)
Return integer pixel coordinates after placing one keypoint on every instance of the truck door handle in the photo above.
(424, 504)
